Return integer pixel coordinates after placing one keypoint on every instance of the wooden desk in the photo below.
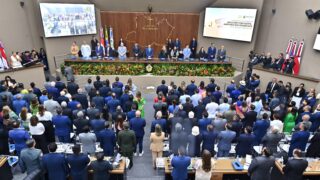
(116, 174)
(220, 167)
(313, 168)
(3, 160)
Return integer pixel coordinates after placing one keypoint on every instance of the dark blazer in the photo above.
(54, 92)
(99, 102)
(299, 140)
(315, 119)
(314, 147)
(137, 125)
(4, 135)
(104, 91)
(82, 98)
(72, 88)
(80, 124)
(203, 123)
(194, 145)
(101, 170)
(190, 90)
(78, 165)
(260, 128)
(208, 140)
(294, 169)
(271, 141)
(97, 125)
(62, 125)
(178, 139)
(249, 118)
(225, 138)
(107, 139)
(126, 141)
(112, 105)
(161, 122)
(269, 88)
(180, 167)
(163, 88)
(56, 166)
(60, 85)
(260, 168)
(98, 84)
(245, 144)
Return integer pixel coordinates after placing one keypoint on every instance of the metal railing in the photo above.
(237, 63)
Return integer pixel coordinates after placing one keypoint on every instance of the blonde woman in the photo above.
(156, 144)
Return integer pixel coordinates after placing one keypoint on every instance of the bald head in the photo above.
(138, 114)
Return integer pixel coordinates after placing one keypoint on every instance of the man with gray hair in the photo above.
(30, 158)
(80, 122)
(305, 122)
(271, 140)
(159, 120)
(178, 138)
(137, 124)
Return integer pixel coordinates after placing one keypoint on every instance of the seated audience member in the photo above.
(299, 139)
(149, 52)
(295, 167)
(212, 50)
(78, 163)
(163, 55)
(30, 159)
(288, 66)
(271, 140)
(245, 142)
(156, 144)
(174, 53)
(99, 50)
(313, 150)
(204, 166)
(180, 165)
(74, 50)
(85, 51)
(122, 52)
(202, 55)
(109, 53)
(277, 64)
(221, 55)
(193, 47)
(26, 57)
(260, 166)
(136, 51)
(186, 53)
(224, 141)
(267, 61)
(180, 55)
(55, 164)
(15, 60)
(101, 168)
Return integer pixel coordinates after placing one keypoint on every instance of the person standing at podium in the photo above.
(193, 47)
(85, 50)
(149, 52)
(122, 52)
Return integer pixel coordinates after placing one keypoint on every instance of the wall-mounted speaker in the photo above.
(310, 13)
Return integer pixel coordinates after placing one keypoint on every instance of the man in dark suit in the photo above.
(294, 168)
(204, 122)
(72, 87)
(245, 143)
(250, 117)
(193, 46)
(211, 87)
(98, 101)
(109, 52)
(107, 139)
(299, 139)
(105, 89)
(288, 66)
(271, 140)
(180, 165)
(272, 87)
(208, 139)
(127, 142)
(97, 84)
(260, 166)
(225, 138)
(222, 54)
(137, 124)
(177, 43)
(260, 128)
(30, 158)
(92, 111)
(101, 168)
(163, 88)
(113, 103)
(188, 106)
(191, 88)
(82, 98)
(62, 126)
(60, 85)
(136, 51)
(212, 50)
(178, 138)
(55, 164)
(78, 163)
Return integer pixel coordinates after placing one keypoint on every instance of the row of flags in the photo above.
(295, 50)
(104, 37)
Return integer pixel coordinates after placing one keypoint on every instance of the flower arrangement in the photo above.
(162, 69)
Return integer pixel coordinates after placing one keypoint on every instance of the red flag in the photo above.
(297, 58)
(101, 37)
(290, 43)
(3, 52)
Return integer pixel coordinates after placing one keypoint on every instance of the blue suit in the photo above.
(161, 122)
(62, 127)
(224, 145)
(254, 84)
(54, 92)
(217, 95)
(137, 125)
(203, 123)
(149, 53)
(118, 91)
(19, 138)
(97, 125)
(212, 53)
(107, 139)
(100, 51)
(235, 94)
(123, 99)
(73, 105)
(315, 119)
(18, 105)
(78, 164)
(56, 166)
(99, 102)
(180, 167)
(230, 88)
(245, 144)
(208, 140)
(104, 91)
(260, 128)
(191, 88)
(177, 44)
(299, 140)
(112, 105)
(131, 114)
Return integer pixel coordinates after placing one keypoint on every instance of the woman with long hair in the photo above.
(45, 117)
(34, 106)
(25, 118)
(203, 171)
(37, 130)
(156, 144)
(119, 123)
(290, 119)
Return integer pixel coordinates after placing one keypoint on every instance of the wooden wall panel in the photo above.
(154, 28)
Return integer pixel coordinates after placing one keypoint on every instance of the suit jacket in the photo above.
(78, 164)
(107, 139)
(101, 170)
(88, 141)
(178, 139)
(203, 123)
(193, 45)
(314, 147)
(315, 119)
(211, 52)
(260, 168)
(271, 141)
(249, 118)
(62, 125)
(149, 52)
(163, 88)
(245, 144)
(294, 169)
(221, 55)
(137, 125)
(299, 140)
(92, 112)
(19, 137)
(72, 88)
(180, 167)
(109, 52)
(225, 138)
(161, 122)
(82, 98)
(30, 159)
(97, 125)
(260, 128)
(54, 92)
(194, 145)
(56, 166)
(18, 105)
(99, 51)
(269, 89)
(60, 85)
(190, 90)
(156, 142)
(80, 124)
(99, 102)
(112, 104)
(126, 141)
(208, 140)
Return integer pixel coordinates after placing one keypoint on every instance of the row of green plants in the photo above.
(164, 69)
